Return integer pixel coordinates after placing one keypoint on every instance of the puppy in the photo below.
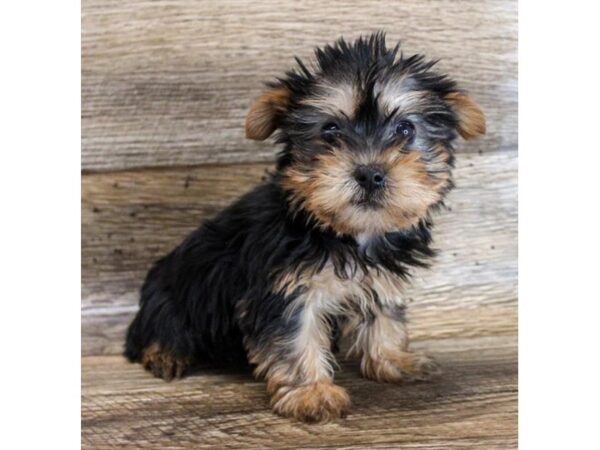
(323, 248)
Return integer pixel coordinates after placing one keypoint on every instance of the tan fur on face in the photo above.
(334, 99)
(471, 120)
(326, 189)
(265, 113)
(395, 95)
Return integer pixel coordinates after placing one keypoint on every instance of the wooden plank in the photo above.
(168, 82)
(132, 218)
(473, 405)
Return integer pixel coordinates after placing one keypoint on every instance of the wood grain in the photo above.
(473, 405)
(165, 88)
(168, 82)
(132, 218)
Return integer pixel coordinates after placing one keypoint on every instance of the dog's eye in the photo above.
(330, 127)
(330, 132)
(405, 130)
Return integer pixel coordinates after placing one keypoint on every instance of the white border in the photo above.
(559, 225)
(40, 202)
(558, 204)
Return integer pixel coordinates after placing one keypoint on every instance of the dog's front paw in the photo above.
(403, 366)
(315, 402)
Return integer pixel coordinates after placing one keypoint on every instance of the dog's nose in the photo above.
(369, 177)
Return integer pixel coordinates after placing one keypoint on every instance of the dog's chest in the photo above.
(362, 291)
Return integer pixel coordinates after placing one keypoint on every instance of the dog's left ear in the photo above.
(266, 113)
(471, 121)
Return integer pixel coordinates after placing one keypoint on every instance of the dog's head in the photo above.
(367, 135)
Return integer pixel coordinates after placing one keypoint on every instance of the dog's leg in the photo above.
(297, 362)
(153, 341)
(382, 343)
(156, 337)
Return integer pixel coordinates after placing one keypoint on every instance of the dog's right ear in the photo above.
(266, 113)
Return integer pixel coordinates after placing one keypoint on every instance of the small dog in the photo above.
(323, 247)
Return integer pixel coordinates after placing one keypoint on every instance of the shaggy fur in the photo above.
(324, 246)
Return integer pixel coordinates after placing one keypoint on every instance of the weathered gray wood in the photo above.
(168, 82)
(165, 85)
(132, 218)
(473, 405)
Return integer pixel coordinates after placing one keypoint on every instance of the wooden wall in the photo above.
(165, 87)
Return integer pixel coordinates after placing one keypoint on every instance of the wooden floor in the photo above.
(474, 405)
(165, 87)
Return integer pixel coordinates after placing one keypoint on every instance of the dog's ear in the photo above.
(266, 112)
(471, 121)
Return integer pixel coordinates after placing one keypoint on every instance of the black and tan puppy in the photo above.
(323, 248)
